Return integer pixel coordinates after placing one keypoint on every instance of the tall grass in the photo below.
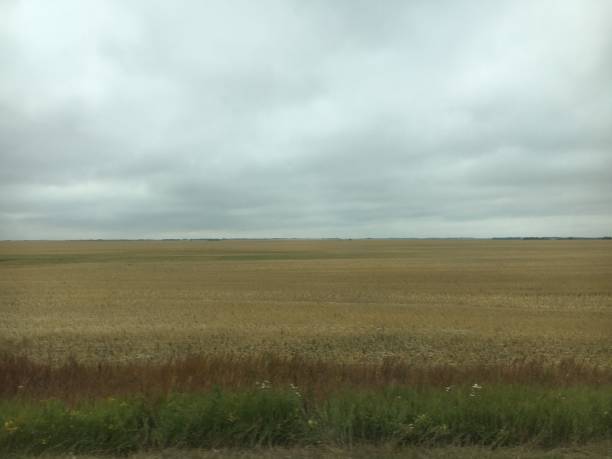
(21, 377)
(268, 416)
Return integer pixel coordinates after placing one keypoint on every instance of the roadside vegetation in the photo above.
(267, 416)
(72, 381)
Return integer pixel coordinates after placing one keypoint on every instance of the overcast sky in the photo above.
(349, 118)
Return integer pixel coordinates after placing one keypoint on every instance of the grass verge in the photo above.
(493, 416)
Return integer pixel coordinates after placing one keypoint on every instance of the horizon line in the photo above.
(297, 238)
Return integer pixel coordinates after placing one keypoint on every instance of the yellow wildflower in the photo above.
(10, 426)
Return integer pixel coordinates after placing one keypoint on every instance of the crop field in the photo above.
(122, 347)
(426, 302)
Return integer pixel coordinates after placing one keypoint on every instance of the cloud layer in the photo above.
(305, 119)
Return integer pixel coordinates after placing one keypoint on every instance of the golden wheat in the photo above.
(457, 302)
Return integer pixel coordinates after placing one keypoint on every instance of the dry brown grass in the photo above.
(424, 302)
(21, 377)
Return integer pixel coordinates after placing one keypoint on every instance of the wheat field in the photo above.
(422, 301)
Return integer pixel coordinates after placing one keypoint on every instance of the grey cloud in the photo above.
(348, 118)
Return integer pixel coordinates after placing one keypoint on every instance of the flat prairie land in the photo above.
(426, 302)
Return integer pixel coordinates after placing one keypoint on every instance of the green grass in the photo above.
(265, 417)
(592, 450)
